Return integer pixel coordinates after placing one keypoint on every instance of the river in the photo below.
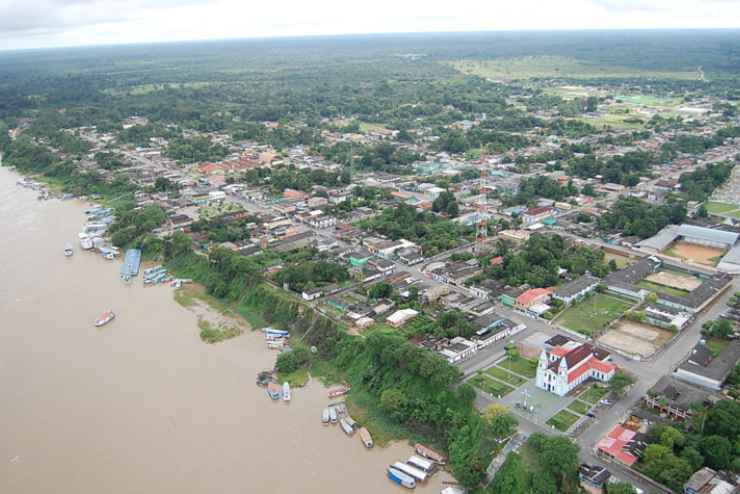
(142, 405)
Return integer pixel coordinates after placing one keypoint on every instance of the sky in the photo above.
(55, 23)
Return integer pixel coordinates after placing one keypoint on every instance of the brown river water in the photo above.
(142, 405)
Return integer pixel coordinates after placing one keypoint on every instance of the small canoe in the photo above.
(338, 391)
(325, 416)
(367, 439)
(105, 318)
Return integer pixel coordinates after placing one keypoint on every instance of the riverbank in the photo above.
(144, 402)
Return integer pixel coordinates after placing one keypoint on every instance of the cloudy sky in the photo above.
(51, 23)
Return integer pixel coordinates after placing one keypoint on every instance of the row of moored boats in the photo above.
(418, 468)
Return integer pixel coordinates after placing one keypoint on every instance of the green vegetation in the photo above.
(657, 288)
(593, 394)
(579, 407)
(620, 382)
(593, 313)
(490, 386)
(563, 420)
(505, 376)
(432, 233)
(709, 440)
(216, 334)
(542, 465)
(520, 365)
(721, 207)
(543, 66)
(540, 258)
(632, 216)
(699, 184)
(308, 275)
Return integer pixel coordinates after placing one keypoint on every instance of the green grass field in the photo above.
(490, 386)
(522, 366)
(579, 407)
(655, 287)
(593, 394)
(532, 67)
(720, 207)
(505, 376)
(716, 345)
(563, 420)
(594, 313)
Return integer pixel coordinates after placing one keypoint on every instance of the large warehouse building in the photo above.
(726, 241)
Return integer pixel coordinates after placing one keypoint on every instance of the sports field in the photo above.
(594, 313)
(700, 254)
(635, 338)
(675, 279)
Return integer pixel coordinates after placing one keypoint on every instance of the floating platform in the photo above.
(131, 263)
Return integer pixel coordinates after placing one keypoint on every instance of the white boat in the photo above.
(401, 478)
(105, 318)
(286, 391)
(367, 439)
(86, 242)
(416, 473)
(346, 427)
(333, 415)
(325, 416)
(421, 463)
(68, 249)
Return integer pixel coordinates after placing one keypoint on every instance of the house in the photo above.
(623, 282)
(410, 255)
(492, 328)
(707, 481)
(615, 445)
(401, 317)
(675, 399)
(536, 215)
(666, 317)
(702, 368)
(593, 477)
(359, 257)
(382, 265)
(312, 294)
(459, 349)
(532, 297)
(562, 368)
(576, 289)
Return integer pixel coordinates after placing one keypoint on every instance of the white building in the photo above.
(565, 367)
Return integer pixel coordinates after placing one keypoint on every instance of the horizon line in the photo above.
(365, 34)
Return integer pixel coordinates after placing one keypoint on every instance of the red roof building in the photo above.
(533, 296)
(614, 445)
(564, 367)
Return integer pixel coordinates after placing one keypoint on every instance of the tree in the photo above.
(393, 401)
(511, 478)
(559, 455)
(466, 461)
(717, 451)
(499, 423)
(380, 290)
(619, 382)
(672, 438)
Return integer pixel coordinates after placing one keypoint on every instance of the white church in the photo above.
(564, 367)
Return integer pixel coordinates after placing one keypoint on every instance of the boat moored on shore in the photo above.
(286, 391)
(325, 416)
(401, 478)
(274, 391)
(367, 439)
